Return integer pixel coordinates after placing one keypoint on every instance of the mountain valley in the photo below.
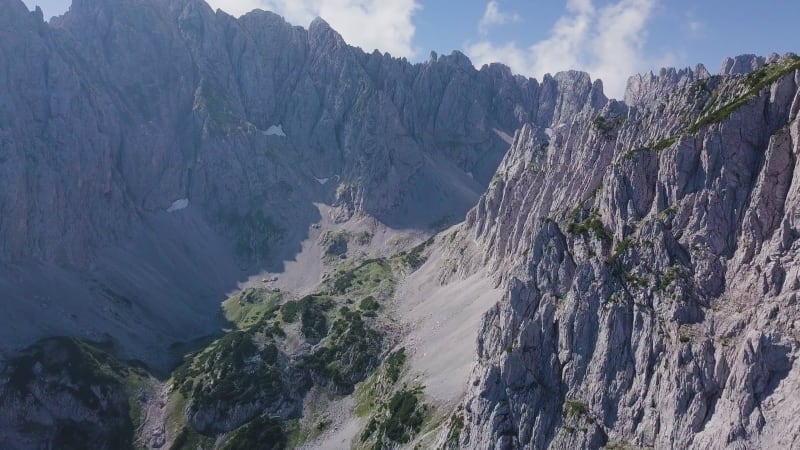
(223, 233)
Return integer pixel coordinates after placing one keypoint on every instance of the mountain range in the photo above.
(238, 233)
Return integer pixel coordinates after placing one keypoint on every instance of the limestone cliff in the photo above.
(156, 154)
(648, 254)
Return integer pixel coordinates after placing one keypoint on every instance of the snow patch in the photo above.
(324, 181)
(504, 136)
(178, 205)
(275, 130)
(549, 132)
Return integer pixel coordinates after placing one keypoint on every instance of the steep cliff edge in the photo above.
(647, 255)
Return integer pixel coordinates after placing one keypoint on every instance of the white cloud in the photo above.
(484, 52)
(493, 16)
(695, 26)
(608, 42)
(369, 24)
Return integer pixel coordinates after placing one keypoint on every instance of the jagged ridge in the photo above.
(659, 311)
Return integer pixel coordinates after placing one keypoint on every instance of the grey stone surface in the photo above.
(646, 248)
(649, 269)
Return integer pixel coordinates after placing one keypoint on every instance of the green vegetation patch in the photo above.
(698, 87)
(350, 353)
(606, 124)
(575, 408)
(368, 395)
(454, 429)
(656, 146)
(313, 324)
(293, 309)
(753, 83)
(718, 115)
(668, 212)
(399, 421)
(415, 257)
(243, 367)
(369, 303)
(395, 364)
(214, 374)
(335, 242)
(717, 111)
(262, 433)
(247, 369)
(770, 73)
(592, 225)
(297, 434)
(75, 359)
(620, 249)
(100, 384)
(312, 311)
(250, 306)
(405, 416)
(363, 238)
(189, 439)
(365, 279)
(634, 281)
(374, 392)
(665, 143)
(667, 278)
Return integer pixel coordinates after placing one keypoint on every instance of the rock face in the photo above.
(63, 394)
(151, 149)
(648, 254)
(118, 111)
(121, 108)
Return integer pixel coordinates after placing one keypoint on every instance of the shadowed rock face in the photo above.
(649, 257)
(115, 112)
(118, 109)
(61, 393)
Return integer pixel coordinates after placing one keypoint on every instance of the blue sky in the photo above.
(610, 39)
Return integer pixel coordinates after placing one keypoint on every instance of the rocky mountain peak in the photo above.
(742, 64)
(646, 90)
(321, 34)
(87, 6)
(193, 7)
(456, 59)
(14, 11)
(564, 94)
